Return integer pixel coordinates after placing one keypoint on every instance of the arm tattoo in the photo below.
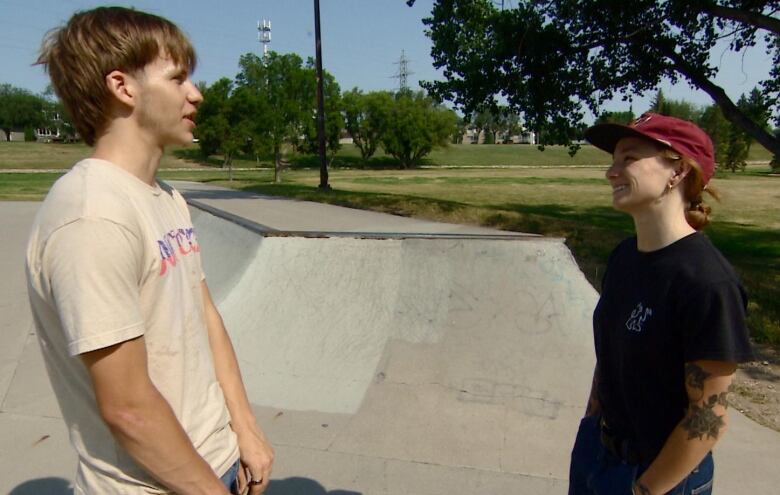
(702, 419)
(695, 376)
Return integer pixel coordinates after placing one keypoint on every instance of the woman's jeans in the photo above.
(596, 471)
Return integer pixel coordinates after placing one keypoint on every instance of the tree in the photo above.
(282, 83)
(20, 109)
(657, 105)
(495, 120)
(738, 140)
(213, 125)
(366, 118)
(483, 121)
(732, 144)
(756, 108)
(508, 123)
(624, 117)
(225, 123)
(334, 120)
(552, 59)
(718, 128)
(737, 149)
(416, 125)
(682, 109)
(460, 130)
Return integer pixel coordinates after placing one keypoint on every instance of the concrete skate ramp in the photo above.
(455, 351)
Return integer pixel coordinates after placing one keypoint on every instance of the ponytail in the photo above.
(697, 213)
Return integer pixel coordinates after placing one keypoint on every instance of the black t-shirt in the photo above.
(657, 311)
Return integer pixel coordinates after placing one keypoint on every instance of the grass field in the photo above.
(555, 200)
(38, 156)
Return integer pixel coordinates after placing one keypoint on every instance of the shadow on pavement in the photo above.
(222, 194)
(44, 486)
(288, 486)
(302, 486)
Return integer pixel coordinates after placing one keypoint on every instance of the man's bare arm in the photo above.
(707, 383)
(143, 422)
(257, 455)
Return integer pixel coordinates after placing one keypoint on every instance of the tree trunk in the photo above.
(277, 166)
(7, 134)
(229, 164)
(732, 113)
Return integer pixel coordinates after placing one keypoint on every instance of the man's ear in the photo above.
(123, 86)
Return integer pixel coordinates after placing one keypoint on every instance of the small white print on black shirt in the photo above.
(638, 317)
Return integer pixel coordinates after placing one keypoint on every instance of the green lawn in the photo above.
(20, 155)
(561, 200)
(41, 156)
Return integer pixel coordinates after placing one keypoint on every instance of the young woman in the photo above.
(669, 328)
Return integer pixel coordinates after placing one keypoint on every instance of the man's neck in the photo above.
(130, 151)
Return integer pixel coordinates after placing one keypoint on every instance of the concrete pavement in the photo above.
(454, 360)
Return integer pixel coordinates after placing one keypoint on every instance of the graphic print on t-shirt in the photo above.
(638, 317)
(185, 241)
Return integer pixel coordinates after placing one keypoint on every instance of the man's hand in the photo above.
(257, 458)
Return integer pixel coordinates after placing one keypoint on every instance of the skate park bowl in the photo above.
(419, 355)
(376, 363)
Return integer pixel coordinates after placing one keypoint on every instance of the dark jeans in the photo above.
(596, 471)
(230, 478)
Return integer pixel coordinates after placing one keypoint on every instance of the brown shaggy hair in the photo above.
(79, 55)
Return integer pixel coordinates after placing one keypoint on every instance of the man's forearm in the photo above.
(229, 375)
(257, 455)
(151, 434)
(142, 421)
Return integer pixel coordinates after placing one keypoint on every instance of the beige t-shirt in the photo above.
(111, 258)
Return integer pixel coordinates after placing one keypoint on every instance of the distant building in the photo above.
(16, 135)
(472, 137)
(56, 132)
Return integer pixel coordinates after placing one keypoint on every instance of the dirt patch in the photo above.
(757, 388)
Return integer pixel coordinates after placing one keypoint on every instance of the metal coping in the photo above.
(266, 231)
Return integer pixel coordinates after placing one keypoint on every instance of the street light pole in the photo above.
(320, 101)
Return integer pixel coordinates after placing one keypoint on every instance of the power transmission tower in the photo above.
(264, 34)
(403, 72)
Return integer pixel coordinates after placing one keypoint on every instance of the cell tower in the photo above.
(264, 34)
(403, 72)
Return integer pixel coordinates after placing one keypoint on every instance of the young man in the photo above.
(143, 369)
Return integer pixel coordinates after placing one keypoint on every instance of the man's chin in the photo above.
(185, 140)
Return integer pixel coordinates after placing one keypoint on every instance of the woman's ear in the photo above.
(681, 171)
(123, 87)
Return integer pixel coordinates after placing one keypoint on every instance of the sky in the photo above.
(362, 41)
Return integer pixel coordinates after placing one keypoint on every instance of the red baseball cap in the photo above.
(680, 135)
